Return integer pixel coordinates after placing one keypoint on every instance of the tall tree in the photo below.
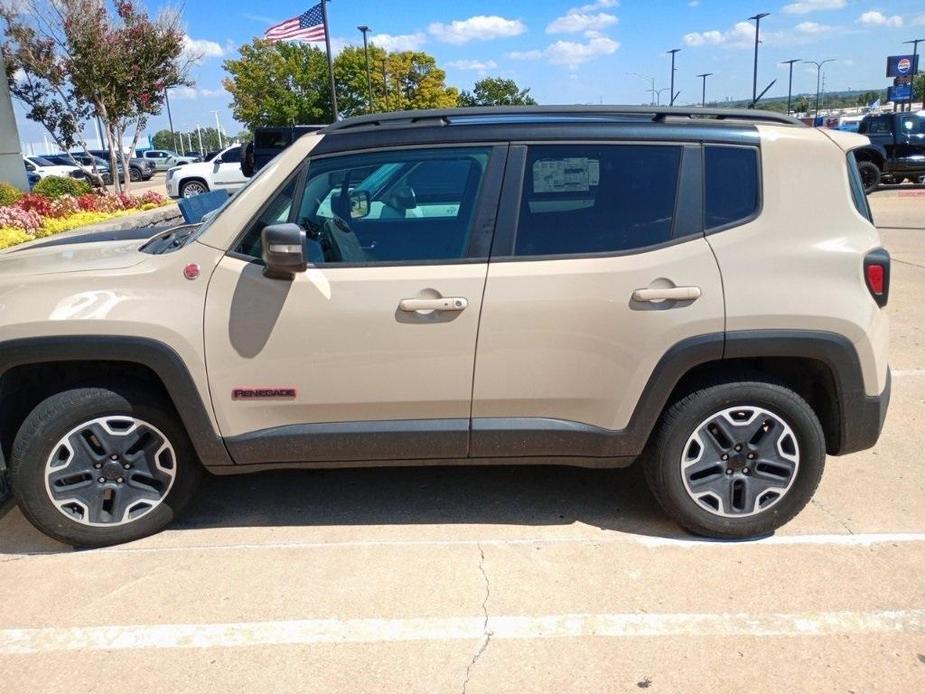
(287, 83)
(72, 59)
(496, 91)
(278, 84)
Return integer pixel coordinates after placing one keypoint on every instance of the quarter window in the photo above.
(731, 185)
(580, 199)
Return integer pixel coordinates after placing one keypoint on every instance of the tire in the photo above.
(53, 449)
(870, 175)
(134, 174)
(731, 498)
(190, 189)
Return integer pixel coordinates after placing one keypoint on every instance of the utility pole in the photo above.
(327, 46)
(703, 98)
(173, 135)
(674, 52)
(818, 75)
(790, 81)
(199, 136)
(757, 19)
(915, 59)
(369, 82)
(218, 129)
(385, 83)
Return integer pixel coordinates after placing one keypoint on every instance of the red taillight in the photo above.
(877, 275)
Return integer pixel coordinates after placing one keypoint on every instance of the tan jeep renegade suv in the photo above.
(703, 290)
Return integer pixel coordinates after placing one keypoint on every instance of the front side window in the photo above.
(580, 199)
(232, 156)
(399, 206)
(731, 185)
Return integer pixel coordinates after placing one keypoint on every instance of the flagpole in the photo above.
(327, 45)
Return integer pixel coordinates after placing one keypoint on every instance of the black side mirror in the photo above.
(283, 250)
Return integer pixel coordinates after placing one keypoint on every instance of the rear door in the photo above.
(599, 268)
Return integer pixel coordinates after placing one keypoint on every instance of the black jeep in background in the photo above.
(897, 148)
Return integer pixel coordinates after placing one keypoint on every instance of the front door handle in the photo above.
(446, 303)
(667, 294)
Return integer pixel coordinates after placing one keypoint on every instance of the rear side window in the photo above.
(857, 188)
(581, 199)
(731, 185)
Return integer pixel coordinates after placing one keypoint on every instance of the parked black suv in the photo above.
(897, 148)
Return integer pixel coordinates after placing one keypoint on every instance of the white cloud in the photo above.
(919, 21)
(478, 28)
(812, 28)
(478, 65)
(877, 18)
(576, 20)
(739, 36)
(212, 92)
(201, 49)
(599, 5)
(183, 93)
(570, 53)
(694, 3)
(399, 42)
(807, 6)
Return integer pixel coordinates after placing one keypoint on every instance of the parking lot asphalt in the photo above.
(498, 579)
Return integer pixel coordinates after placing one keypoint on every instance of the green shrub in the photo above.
(9, 194)
(55, 186)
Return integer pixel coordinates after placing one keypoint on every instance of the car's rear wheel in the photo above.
(736, 460)
(134, 174)
(870, 175)
(100, 466)
(191, 189)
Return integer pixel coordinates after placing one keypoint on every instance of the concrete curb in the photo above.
(149, 218)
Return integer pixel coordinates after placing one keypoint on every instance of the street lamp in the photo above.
(703, 98)
(218, 128)
(651, 89)
(790, 82)
(915, 54)
(658, 95)
(369, 82)
(818, 74)
(757, 18)
(674, 52)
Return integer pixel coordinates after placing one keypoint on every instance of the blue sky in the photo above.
(577, 51)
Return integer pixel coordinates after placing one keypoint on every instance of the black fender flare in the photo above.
(153, 354)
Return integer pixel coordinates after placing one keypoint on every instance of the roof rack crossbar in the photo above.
(657, 113)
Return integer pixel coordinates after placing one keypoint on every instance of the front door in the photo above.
(369, 354)
(226, 171)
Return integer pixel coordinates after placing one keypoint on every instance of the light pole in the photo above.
(199, 136)
(651, 88)
(218, 129)
(369, 82)
(173, 135)
(674, 52)
(757, 18)
(703, 98)
(790, 81)
(915, 55)
(818, 75)
(658, 95)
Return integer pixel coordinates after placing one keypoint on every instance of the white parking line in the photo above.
(856, 540)
(319, 631)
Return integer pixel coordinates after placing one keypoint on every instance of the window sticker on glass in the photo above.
(571, 175)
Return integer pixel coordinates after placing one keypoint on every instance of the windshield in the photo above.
(217, 214)
(40, 161)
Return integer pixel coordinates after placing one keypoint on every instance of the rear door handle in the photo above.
(446, 303)
(667, 294)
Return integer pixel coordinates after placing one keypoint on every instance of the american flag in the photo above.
(308, 26)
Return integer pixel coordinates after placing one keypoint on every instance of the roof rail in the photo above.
(656, 113)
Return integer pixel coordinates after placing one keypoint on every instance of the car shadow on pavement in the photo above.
(534, 496)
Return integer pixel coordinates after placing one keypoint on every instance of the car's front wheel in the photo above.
(100, 466)
(736, 460)
(190, 189)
